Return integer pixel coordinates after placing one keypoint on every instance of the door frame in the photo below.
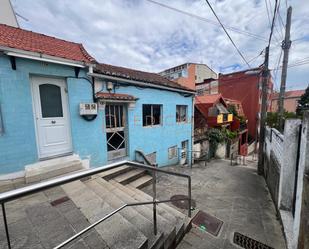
(32, 78)
(125, 130)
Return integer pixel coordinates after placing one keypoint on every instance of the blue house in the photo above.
(57, 101)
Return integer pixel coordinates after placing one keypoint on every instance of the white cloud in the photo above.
(141, 35)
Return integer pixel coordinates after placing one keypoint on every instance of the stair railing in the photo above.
(154, 188)
(42, 186)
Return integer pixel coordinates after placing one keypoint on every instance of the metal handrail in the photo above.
(142, 154)
(64, 243)
(35, 188)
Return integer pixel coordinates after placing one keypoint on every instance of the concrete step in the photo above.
(116, 231)
(141, 182)
(100, 187)
(50, 168)
(163, 224)
(174, 211)
(130, 176)
(183, 222)
(109, 174)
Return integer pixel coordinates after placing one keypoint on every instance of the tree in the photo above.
(272, 119)
(303, 103)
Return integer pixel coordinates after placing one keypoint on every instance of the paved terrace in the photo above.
(234, 194)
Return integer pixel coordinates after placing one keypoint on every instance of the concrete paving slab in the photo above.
(234, 194)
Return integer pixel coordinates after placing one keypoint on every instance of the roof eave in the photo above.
(143, 83)
(43, 57)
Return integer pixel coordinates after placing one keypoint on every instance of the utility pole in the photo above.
(286, 44)
(265, 76)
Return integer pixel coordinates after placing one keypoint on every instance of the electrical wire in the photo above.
(299, 62)
(267, 10)
(230, 38)
(273, 23)
(237, 30)
(276, 72)
(254, 58)
(280, 34)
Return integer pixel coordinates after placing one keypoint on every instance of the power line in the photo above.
(280, 17)
(237, 30)
(276, 72)
(254, 58)
(299, 62)
(272, 24)
(276, 27)
(227, 34)
(268, 13)
(268, 10)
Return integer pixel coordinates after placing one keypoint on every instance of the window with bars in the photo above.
(114, 116)
(172, 152)
(152, 115)
(181, 113)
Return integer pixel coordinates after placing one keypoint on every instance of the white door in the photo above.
(51, 116)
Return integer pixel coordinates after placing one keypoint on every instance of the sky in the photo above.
(143, 35)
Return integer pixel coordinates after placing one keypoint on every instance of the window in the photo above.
(114, 116)
(172, 152)
(51, 103)
(152, 115)
(181, 113)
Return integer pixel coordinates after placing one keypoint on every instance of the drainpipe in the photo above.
(192, 129)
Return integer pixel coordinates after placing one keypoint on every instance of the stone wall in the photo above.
(272, 176)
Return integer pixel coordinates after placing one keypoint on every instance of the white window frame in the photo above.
(172, 152)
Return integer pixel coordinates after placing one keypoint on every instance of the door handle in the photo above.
(53, 122)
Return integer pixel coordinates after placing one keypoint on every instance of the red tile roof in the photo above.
(290, 94)
(21, 39)
(115, 96)
(131, 74)
(208, 98)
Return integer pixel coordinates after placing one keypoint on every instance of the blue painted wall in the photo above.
(158, 138)
(18, 142)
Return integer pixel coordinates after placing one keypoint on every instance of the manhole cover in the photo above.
(183, 204)
(207, 223)
(248, 243)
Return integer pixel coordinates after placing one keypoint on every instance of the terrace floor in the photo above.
(234, 194)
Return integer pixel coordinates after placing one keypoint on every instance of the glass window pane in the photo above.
(116, 116)
(115, 140)
(107, 117)
(51, 103)
(112, 115)
(147, 120)
(156, 114)
(177, 113)
(122, 119)
(183, 113)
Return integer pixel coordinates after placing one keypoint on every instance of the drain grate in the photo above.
(207, 223)
(183, 204)
(248, 243)
(59, 201)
